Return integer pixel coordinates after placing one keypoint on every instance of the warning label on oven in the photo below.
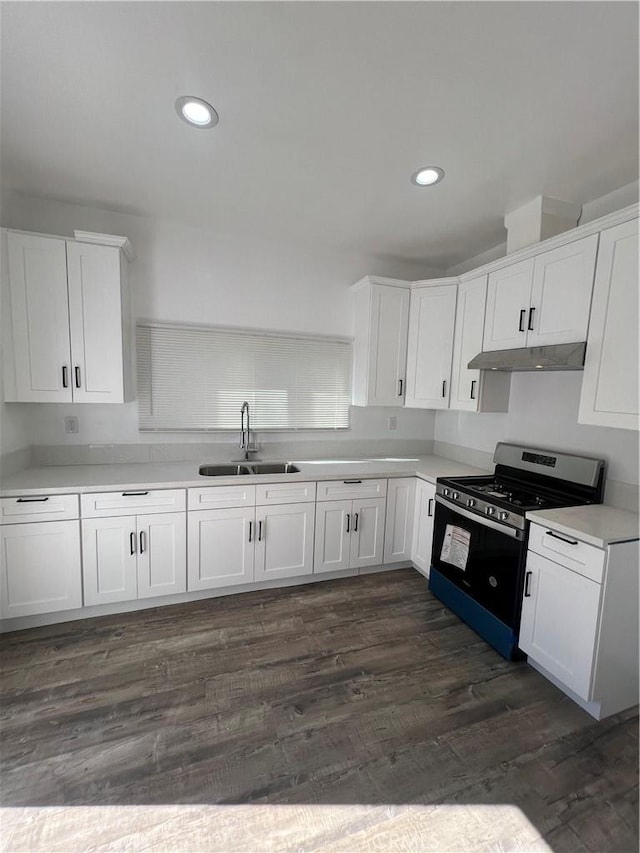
(455, 547)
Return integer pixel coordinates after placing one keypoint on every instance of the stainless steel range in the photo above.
(480, 532)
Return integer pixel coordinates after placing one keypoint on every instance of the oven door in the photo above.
(482, 557)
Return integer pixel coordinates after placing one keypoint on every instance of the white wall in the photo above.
(189, 274)
(543, 412)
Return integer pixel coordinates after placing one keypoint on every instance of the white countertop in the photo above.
(66, 479)
(595, 524)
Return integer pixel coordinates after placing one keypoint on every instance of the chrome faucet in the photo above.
(245, 434)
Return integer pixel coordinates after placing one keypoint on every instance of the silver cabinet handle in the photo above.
(348, 522)
(142, 541)
(132, 542)
(527, 585)
(133, 494)
(65, 378)
(430, 508)
(355, 527)
(31, 500)
(76, 371)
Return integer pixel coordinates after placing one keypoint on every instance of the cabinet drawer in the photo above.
(351, 489)
(285, 493)
(567, 551)
(38, 508)
(219, 497)
(106, 504)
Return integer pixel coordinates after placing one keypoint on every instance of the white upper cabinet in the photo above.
(67, 335)
(95, 321)
(430, 348)
(610, 381)
(542, 300)
(380, 349)
(39, 320)
(508, 297)
(561, 294)
(474, 390)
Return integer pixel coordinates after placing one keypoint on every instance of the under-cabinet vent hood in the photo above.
(552, 357)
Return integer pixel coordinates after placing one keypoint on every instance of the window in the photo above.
(197, 377)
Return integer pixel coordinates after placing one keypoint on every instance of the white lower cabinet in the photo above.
(349, 534)
(424, 507)
(579, 623)
(559, 621)
(239, 545)
(398, 528)
(40, 568)
(284, 544)
(129, 557)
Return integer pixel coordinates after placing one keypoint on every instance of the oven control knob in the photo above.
(503, 516)
(471, 502)
(446, 493)
(490, 510)
(455, 496)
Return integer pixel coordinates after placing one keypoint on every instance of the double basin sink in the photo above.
(235, 470)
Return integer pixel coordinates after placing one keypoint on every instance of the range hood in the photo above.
(552, 357)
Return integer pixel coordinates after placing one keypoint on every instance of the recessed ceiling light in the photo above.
(427, 176)
(196, 112)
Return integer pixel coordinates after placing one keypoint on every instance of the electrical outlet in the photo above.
(71, 424)
(392, 422)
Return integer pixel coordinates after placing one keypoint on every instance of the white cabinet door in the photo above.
(95, 315)
(40, 320)
(39, 568)
(398, 530)
(508, 301)
(561, 294)
(367, 532)
(560, 622)
(430, 347)
(162, 554)
(220, 547)
(109, 553)
(423, 525)
(332, 536)
(388, 346)
(465, 383)
(284, 540)
(610, 380)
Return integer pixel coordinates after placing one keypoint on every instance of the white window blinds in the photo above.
(197, 377)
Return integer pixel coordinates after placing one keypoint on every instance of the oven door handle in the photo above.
(481, 519)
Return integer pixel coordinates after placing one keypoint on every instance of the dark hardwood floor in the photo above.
(362, 692)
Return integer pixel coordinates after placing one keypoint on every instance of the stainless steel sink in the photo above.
(253, 468)
(274, 468)
(223, 470)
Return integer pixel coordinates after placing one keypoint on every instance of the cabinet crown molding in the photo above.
(378, 279)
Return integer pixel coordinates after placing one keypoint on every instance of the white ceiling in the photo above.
(325, 111)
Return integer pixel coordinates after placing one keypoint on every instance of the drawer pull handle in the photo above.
(134, 494)
(348, 522)
(562, 539)
(31, 500)
(527, 586)
(351, 482)
(132, 543)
